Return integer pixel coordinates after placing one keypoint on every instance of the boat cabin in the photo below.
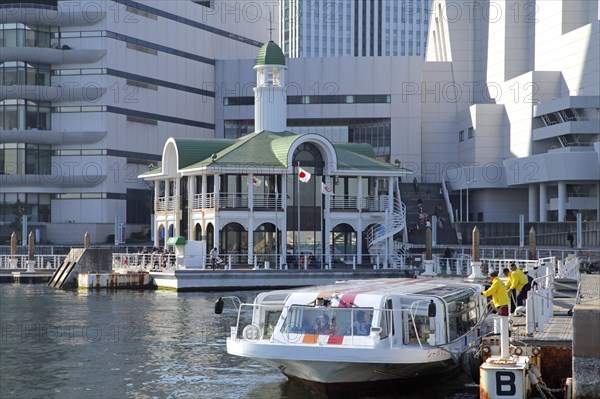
(402, 312)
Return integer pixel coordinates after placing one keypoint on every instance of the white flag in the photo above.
(325, 189)
(303, 175)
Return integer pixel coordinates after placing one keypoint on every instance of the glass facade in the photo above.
(24, 114)
(38, 207)
(364, 28)
(24, 73)
(24, 35)
(375, 132)
(25, 159)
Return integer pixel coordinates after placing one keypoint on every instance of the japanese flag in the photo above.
(256, 181)
(303, 175)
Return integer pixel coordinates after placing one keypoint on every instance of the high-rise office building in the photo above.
(89, 92)
(360, 28)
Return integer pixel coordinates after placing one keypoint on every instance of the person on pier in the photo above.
(498, 293)
(518, 282)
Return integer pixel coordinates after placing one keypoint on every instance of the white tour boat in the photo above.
(335, 337)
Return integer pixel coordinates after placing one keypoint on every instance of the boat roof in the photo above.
(381, 287)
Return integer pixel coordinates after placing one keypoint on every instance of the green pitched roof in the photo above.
(192, 150)
(258, 149)
(266, 149)
(270, 54)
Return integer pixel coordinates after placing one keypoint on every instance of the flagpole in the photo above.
(323, 199)
(298, 203)
(276, 225)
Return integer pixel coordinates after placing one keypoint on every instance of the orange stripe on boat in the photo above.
(310, 339)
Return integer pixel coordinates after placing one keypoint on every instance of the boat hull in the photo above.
(332, 378)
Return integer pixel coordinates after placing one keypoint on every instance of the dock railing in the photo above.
(303, 261)
(42, 262)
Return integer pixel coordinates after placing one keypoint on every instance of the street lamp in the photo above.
(469, 182)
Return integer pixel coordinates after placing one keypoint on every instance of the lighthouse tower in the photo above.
(270, 100)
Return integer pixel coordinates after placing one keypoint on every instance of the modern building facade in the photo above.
(90, 91)
(526, 79)
(508, 125)
(272, 192)
(361, 28)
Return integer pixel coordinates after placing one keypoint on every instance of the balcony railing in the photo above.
(373, 203)
(233, 200)
(268, 201)
(172, 203)
(344, 202)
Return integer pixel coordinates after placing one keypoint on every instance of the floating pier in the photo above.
(560, 358)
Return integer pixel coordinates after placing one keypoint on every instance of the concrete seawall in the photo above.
(586, 341)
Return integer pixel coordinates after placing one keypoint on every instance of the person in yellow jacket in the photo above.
(512, 294)
(498, 293)
(518, 280)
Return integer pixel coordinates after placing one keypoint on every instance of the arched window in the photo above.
(343, 242)
(198, 232)
(234, 239)
(265, 240)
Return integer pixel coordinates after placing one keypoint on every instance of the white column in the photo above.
(191, 189)
(359, 240)
(359, 194)
(155, 225)
(562, 201)
(217, 222)
(543, 202)
(533, 203)
(283, 217)
(204, 190)
(326, 216)
(216, 189)
(177, 209)
(250, 239)
(167, 195)
(250, 191)
(156, 194)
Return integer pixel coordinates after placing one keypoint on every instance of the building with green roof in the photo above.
(276, 196)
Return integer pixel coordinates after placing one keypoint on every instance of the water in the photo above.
(142, 345)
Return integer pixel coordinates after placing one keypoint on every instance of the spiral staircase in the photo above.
(380, 237)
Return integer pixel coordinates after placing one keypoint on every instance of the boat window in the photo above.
(418, 331)
(416, 323)
(271, 317)
(328, 320)
(462, 316)
(386, 320)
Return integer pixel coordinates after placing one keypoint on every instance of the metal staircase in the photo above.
(380, 236)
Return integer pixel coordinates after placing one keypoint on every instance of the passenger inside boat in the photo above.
(361, 326)
(324, 326)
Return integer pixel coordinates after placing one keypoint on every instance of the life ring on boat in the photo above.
(251, 333)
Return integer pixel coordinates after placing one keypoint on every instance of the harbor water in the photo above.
(143, 345)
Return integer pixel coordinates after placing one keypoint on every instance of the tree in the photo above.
(19, 209)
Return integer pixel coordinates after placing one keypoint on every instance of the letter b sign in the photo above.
(505, 383)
